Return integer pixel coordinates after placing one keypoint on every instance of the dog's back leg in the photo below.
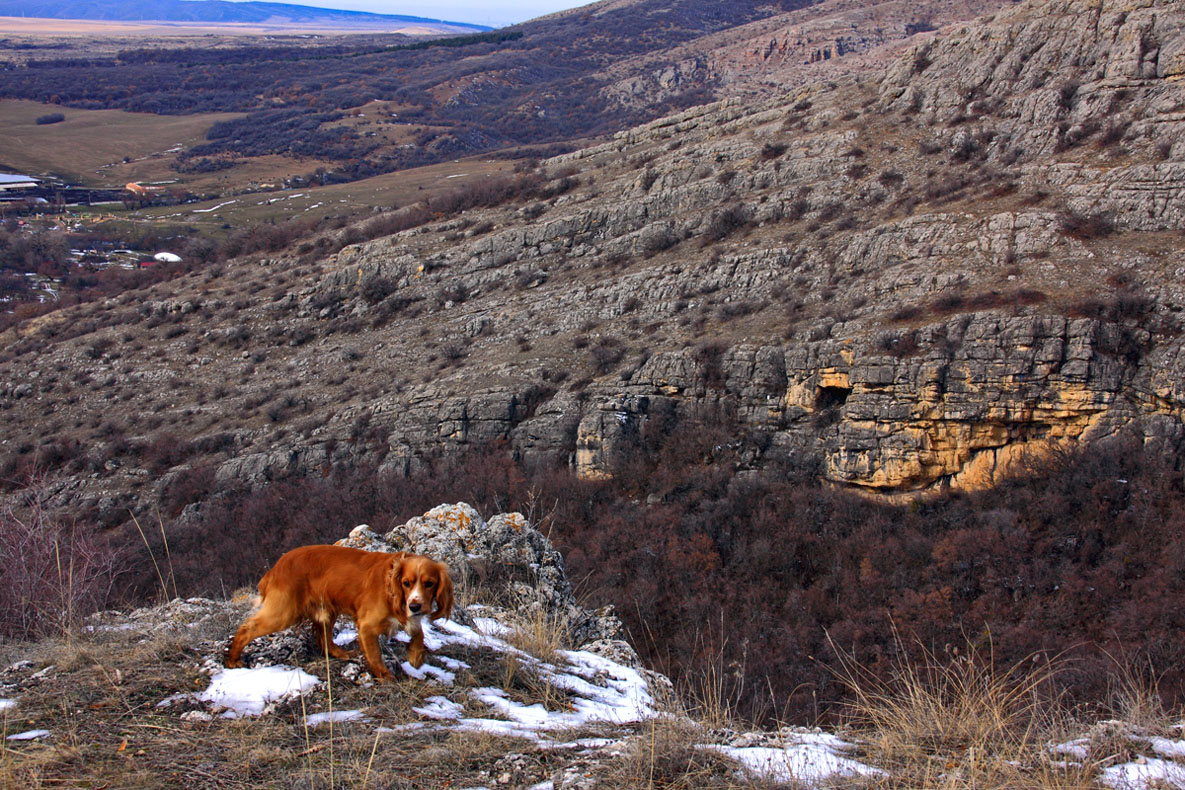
(275, 614)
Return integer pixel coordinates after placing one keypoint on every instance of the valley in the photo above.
(850, 346)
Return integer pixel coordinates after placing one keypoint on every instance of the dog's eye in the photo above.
(406, 583)
(429, 584)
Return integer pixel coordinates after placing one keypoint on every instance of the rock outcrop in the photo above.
(505, 554)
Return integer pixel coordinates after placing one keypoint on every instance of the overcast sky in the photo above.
(494, 13)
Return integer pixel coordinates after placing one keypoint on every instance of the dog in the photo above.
(377, 589)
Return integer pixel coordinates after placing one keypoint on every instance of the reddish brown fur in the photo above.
(376, 589)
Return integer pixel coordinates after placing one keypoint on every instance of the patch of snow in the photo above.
(488, 625)
(601, 689)
(535, 716)
(345, 636)
(317, 719)
(1167, 748)
(807, 762)
(440, 708)
(212, 208)
(114, 627)
(28, 735)
(1078, 748)
(509, 729)
(7, 704)
(248, 692)
(1150, 773)
(445, 677)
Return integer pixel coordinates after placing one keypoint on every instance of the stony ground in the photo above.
(515, 696)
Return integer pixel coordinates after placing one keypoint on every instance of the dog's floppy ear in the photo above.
(444, 596)
(395, 588)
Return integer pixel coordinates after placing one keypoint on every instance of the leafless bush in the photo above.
(1067, 92)
(1113, 133)
(606, 353)
(54, 572)
(771, 151)
(1086, 226)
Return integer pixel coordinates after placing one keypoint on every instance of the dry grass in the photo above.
(97, 141)
(958, 721)
(1134, 698)
(99, 703)
(668, 753)
(538, 632)
(709, 691)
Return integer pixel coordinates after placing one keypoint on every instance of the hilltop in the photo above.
(220, 11)
(550, 83)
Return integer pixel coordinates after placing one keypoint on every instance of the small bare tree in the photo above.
(54, 570)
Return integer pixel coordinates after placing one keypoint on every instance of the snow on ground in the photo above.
(597, 690)
(7, 704)
(1151, 772)
(317, 719)
(1168, 748)
(250, 692)
(213, 208)
(1144, 773)
(28, 735)
(807, 761)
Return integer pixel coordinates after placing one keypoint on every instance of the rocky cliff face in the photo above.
(912, 281)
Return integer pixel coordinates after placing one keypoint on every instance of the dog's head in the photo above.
(419, 586)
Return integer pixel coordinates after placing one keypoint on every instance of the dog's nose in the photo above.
(415, 607)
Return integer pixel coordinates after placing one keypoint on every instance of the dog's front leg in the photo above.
(368, 637)
(416, 652)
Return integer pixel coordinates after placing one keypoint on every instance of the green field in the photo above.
(89, 147)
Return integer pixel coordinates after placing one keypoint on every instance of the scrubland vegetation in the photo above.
(957, 641)
(774, 572)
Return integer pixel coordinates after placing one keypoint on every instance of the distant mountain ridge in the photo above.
(216, 11)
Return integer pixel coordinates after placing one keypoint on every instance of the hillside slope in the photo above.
(909, 281)
(571, 76)
(521, 688)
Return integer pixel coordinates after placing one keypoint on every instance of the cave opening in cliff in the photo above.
(831, 397)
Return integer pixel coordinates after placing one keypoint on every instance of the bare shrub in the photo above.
(376, 288)
(1084, 226)
(771, 151)
(897, 344)
(606, 353)
(890, 179)
(725, 222)
(668, 754)
(55, 571)
(1113, 133)
(1067, 92)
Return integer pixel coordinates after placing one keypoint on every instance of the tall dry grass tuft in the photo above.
(949, 722)
(669, 754)
(1133, 697)
(535, 625)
